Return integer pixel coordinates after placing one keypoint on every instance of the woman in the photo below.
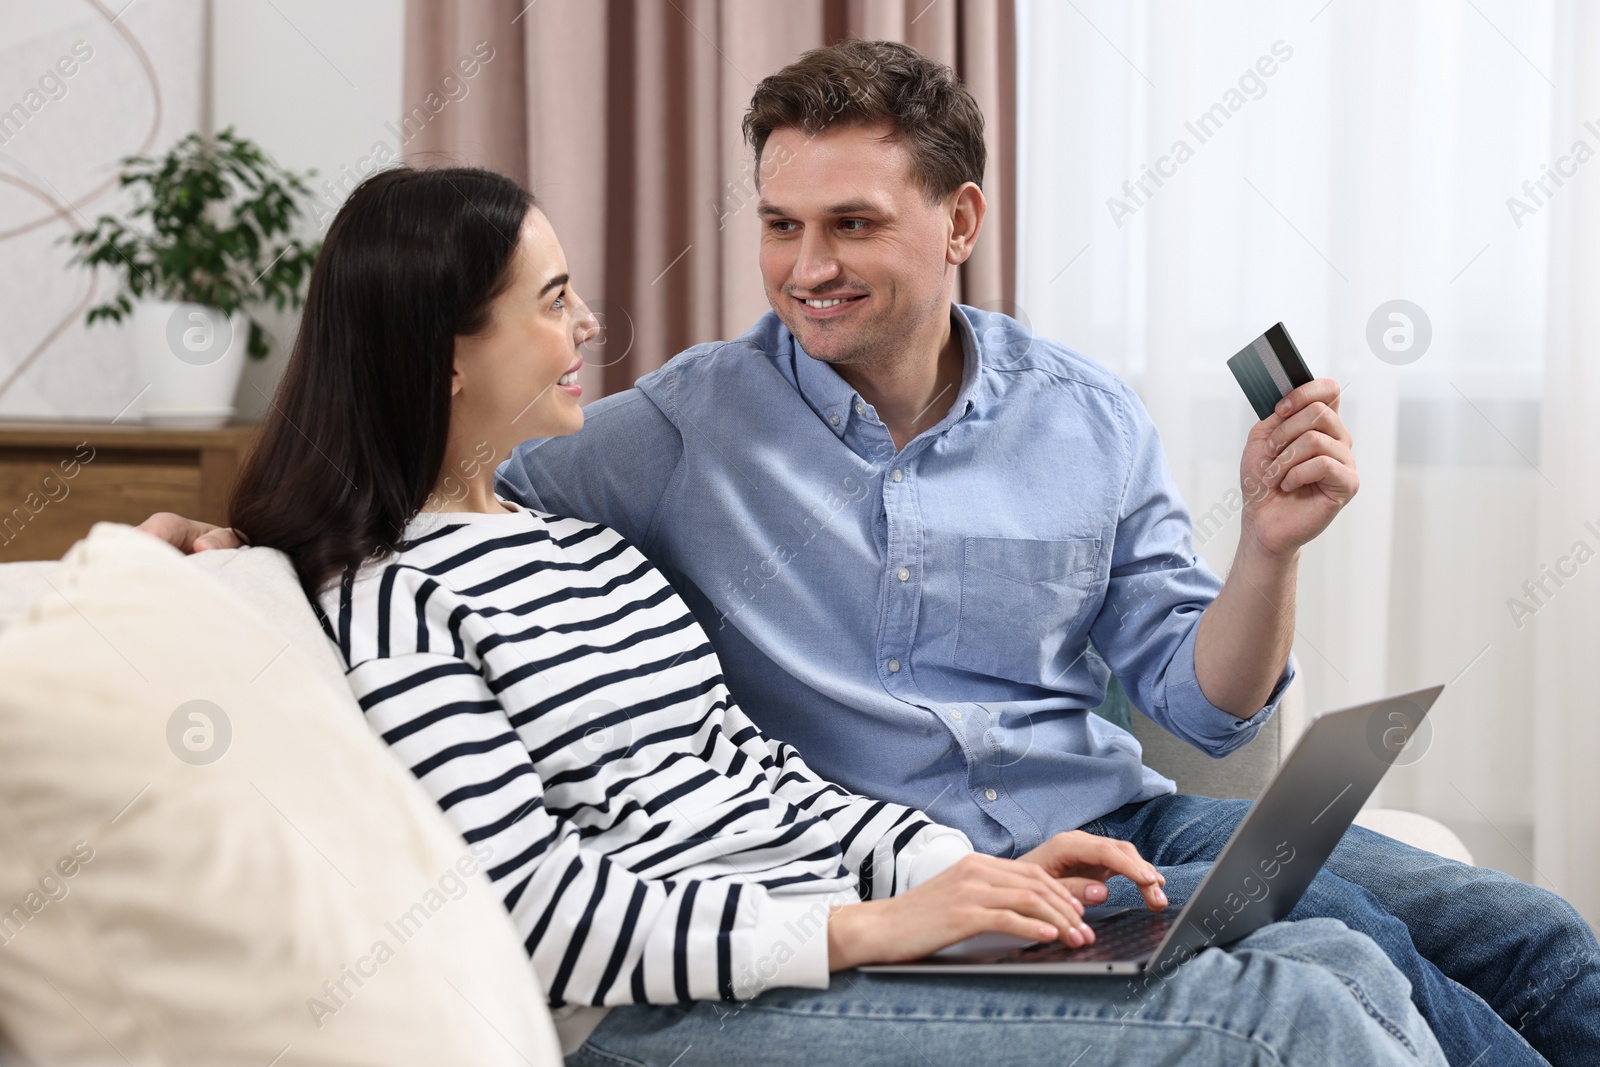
(556, 698)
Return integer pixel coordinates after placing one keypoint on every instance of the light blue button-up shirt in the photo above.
(917, 621)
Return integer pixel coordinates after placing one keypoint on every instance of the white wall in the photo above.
(141, 82)
(313, 83)
(316, 84)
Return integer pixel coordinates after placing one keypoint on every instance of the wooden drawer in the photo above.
(56, 481)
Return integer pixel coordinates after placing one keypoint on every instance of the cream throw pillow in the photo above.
(207, 858)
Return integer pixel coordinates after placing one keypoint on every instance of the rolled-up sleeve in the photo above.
(1156, 593)
(1192, 717)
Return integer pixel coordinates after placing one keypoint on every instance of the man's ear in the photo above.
(967, 208)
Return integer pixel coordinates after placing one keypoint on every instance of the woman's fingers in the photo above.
(979, 894)
(1067, 923)
(1088, 890)
(1056, 888)
(1119, 857)
(1090, 858)
(1030, 890)
(1000, 921)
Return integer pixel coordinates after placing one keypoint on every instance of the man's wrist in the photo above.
(1260, 560)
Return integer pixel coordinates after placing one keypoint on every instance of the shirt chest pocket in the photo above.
(1021, 600)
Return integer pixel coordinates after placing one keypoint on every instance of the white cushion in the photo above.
(20, 586)
(265, 580)
(297, 900)
(1418, 831)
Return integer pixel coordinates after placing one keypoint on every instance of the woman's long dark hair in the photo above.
(356, 436)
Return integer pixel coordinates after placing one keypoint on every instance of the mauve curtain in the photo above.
(623, 116)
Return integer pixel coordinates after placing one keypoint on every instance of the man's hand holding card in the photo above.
(1298, 468)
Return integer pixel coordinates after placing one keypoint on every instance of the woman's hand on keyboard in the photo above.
(1083, 862)
(977, 895)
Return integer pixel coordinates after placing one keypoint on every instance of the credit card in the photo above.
(1269, 369)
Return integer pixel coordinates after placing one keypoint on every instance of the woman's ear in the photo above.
(457, 379)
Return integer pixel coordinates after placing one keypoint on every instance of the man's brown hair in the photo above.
(868, 83)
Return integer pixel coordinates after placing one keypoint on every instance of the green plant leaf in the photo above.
(204, 228)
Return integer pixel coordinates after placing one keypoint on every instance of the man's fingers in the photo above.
(1325, 390)
(165, 526)
(1308, 445)
(1315, 458)
(187, 535)
(220, 537)
(1337, 480)
(1314, 416)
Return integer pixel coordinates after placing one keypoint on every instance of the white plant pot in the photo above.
(189, 359)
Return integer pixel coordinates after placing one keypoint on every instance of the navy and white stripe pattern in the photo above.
(556, 698)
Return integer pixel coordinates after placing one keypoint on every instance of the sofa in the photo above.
(231, 885)
(205, 855)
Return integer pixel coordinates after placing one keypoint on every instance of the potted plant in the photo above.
(209, 232)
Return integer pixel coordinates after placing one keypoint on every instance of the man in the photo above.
(904, 523)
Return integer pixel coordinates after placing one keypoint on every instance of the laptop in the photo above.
(1263, 870)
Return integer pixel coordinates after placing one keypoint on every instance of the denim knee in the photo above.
(1333, 946)
(1371, 982)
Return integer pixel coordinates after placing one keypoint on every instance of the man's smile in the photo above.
(827, 307)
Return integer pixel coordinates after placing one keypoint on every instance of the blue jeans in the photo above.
(1310, 993)
(1495, 965)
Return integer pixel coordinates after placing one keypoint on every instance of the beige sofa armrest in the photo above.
(265, 579)
(21, 584)
(1415, 830)
(1241, 774)
(1245, 773)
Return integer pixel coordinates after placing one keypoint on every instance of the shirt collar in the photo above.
(835, 401)
(829, 395)
(971, 367)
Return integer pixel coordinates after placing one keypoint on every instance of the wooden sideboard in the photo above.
(57, 479)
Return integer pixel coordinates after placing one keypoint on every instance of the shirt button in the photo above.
(904, 574)
(990, 794)
(896, 475)
(861, 409)
(834, 419)
(956, 714)
(894, 666)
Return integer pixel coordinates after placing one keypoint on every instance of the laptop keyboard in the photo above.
(1127, 935)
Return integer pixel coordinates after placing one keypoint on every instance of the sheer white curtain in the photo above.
(1566, 723)
(1191, 174)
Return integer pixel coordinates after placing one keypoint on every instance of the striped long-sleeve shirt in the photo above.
(560, 703)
